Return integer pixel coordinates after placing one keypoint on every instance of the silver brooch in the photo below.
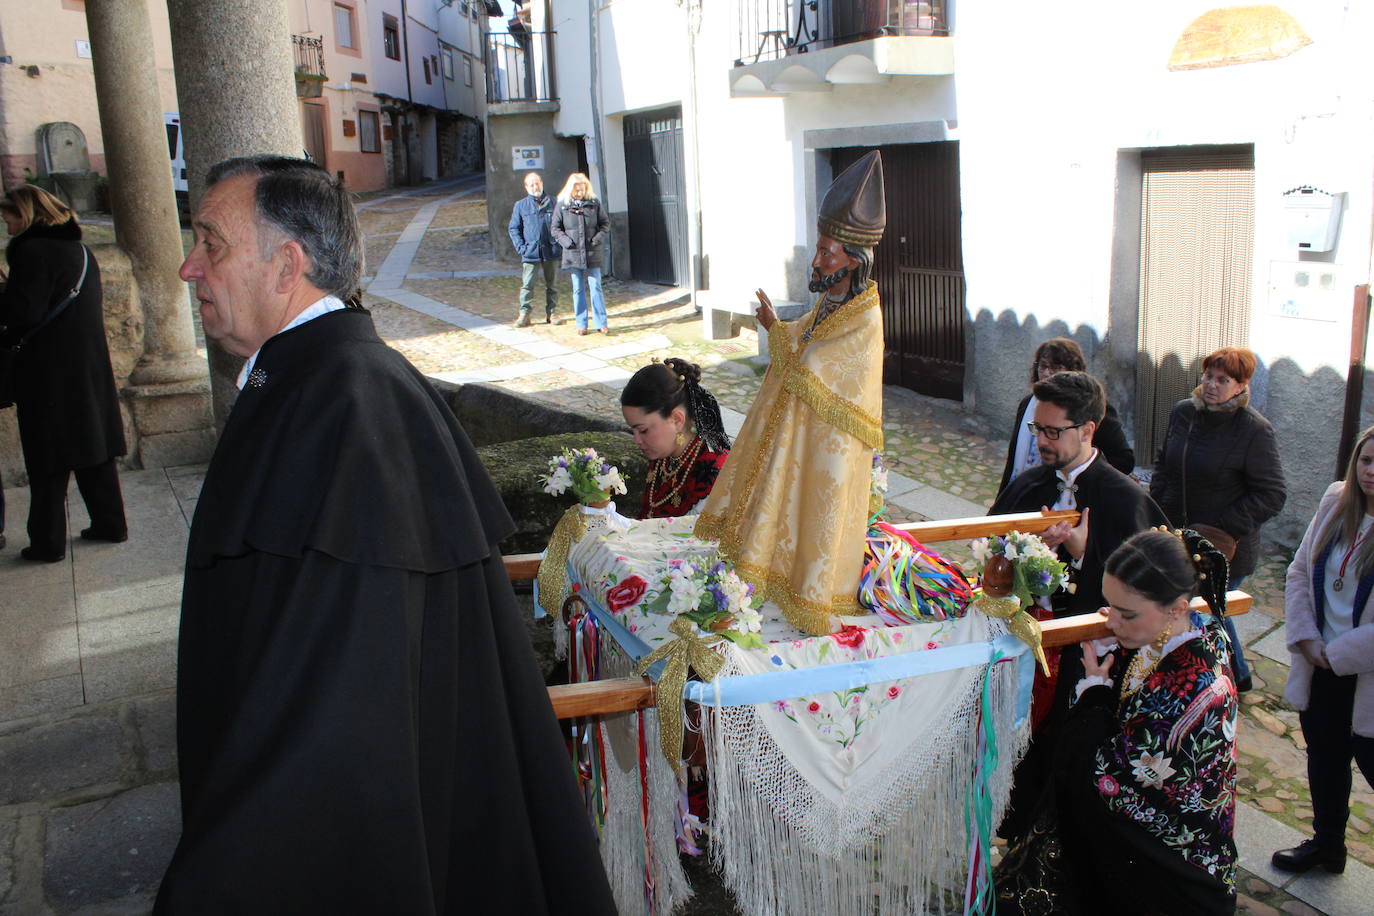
(257, 378)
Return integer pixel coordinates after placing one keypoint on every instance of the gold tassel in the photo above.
(1021, 624)
(688, 651)
(553, 569)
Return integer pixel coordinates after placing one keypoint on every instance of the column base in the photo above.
(172, 423)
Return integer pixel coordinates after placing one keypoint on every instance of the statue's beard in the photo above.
(822, 282)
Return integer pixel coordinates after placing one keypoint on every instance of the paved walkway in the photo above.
(88, 810)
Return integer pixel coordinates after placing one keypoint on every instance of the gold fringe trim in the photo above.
(841, 413)
(689, 652)
(553, 569)
(864, 238)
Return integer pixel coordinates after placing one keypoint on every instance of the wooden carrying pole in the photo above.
(628, 693)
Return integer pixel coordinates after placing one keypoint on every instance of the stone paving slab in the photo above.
(1274, 645)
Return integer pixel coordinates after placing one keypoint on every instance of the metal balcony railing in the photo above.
(771, 29)
(520, 67)
(309, 55)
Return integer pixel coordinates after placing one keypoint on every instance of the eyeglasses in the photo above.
(1050, 432)
(1049, 368)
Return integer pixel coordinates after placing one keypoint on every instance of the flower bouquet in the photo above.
(714, 598)
(1016, 568)
(591, 478)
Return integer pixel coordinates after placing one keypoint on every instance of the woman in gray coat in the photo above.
(1330, 634)
(580, 226)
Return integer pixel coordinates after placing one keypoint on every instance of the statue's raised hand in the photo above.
(765, 312)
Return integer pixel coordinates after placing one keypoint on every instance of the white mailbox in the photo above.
(1313, 218)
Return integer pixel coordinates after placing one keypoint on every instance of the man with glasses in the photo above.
(1072, 475)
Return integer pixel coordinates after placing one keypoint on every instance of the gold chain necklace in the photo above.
(1146, 659)
(675, 475)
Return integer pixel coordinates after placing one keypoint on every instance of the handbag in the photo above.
(8, 355)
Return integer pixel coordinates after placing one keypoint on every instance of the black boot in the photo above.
(1307, 855)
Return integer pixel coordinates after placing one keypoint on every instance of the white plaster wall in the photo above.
(1041, 126)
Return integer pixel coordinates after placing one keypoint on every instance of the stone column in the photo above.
(237, 94)
(168, 394)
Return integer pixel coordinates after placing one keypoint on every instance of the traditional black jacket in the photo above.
(361, 725)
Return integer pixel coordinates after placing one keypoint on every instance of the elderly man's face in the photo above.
(234, 286)
(534, 185)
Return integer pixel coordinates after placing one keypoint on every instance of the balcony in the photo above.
(787, 46)
(519, 67)
(310, 75)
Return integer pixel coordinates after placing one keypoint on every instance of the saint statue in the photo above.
(790, 508)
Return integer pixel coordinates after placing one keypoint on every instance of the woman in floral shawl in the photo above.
(1142, 806)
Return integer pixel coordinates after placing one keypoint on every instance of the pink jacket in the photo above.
(1351, 653)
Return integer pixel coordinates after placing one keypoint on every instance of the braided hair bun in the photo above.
(663, 387)
(1163, 566)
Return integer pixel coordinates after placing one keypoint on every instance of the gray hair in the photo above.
(302, 202)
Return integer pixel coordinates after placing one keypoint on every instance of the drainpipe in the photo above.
(693, 26)
(594, 90)
(405, 51)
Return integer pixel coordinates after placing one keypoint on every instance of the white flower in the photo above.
(1010, 551)
(735, 590)
(610, 481)
(557, 482)
(980, 549)
(686, 592)
(1152, 769)
(750, 620)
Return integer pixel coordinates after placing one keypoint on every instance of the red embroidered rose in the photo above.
(850, 637)
(1108, 786)
(893, 692)
(813, 706)
(626, 594)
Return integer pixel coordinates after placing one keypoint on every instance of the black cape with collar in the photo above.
(1120, 508)
(362, 727)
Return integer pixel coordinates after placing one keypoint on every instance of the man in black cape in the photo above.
(361, 725)
(1072, 475)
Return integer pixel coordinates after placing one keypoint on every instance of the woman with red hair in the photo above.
(1218, 470)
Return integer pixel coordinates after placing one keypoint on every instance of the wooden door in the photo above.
(1197, 227)
(312, 130)
(919, 266)
(656, 188)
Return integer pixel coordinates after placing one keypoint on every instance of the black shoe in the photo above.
(1245, 684)
(2, 542)
(90, 534)
(1307, 855)
(29, 553)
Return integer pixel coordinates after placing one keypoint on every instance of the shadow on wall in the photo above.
(1305, 408)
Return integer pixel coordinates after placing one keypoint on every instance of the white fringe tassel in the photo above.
(785, 850)
(622, 840)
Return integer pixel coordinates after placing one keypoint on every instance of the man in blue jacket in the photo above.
(529, 233)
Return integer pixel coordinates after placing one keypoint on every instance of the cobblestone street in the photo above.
(87, 647)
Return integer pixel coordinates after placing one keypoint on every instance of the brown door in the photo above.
(312, 128)
(919, 266)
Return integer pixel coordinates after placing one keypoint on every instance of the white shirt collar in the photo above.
(309, 313)
(1072, 476)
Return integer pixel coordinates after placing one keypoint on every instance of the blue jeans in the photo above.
(1238, 663)
(581, 279)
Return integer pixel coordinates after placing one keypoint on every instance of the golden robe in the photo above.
(790, 508)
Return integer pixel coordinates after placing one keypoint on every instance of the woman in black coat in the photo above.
(63, 385)
(1060, 354)
(1219, 467)
(580, 226)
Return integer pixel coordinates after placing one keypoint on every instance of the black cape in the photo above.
(1120, 508)
(362, 726)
